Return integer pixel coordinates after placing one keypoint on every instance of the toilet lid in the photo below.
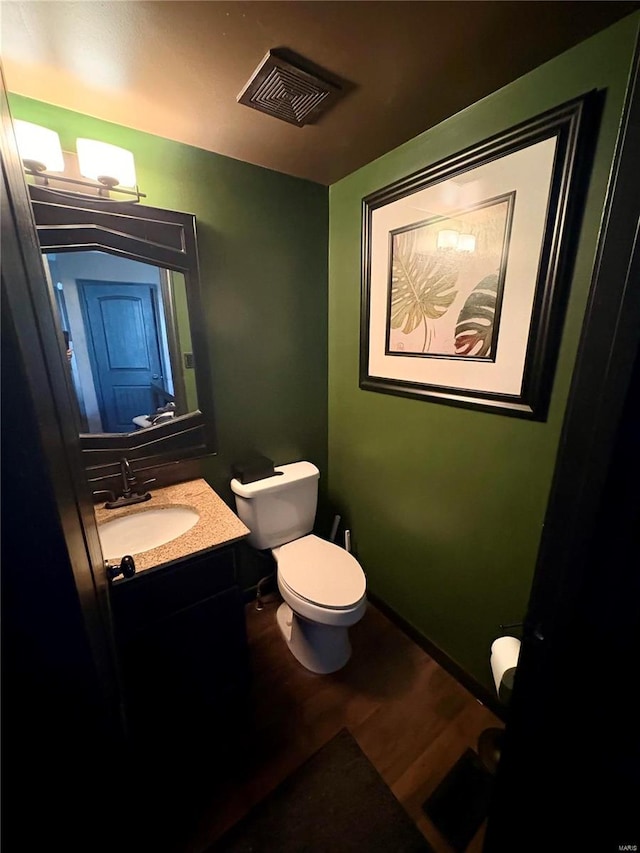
(321, 572)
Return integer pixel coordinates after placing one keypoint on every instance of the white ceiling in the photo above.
(175, 68)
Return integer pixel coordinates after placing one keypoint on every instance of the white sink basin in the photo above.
(144, 530)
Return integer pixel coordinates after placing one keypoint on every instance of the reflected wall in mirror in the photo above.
(126, 326)
(124, 278)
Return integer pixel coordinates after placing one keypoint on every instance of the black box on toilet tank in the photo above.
(252, 468)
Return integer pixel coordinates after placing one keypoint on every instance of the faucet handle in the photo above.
(112, 497)
(140, 486)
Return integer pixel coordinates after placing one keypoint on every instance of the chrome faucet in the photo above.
(131, 493)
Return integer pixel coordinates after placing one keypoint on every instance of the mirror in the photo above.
(124, 279)
(128, 338)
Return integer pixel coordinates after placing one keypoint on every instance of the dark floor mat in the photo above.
(460, 803)
(335, 803)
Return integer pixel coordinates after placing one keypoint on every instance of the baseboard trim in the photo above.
(442, 658)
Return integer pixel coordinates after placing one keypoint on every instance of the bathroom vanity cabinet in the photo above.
(182, 647)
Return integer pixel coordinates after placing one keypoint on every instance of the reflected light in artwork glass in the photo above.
(447, 239)
(466, 243)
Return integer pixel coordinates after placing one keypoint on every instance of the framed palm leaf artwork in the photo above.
(466, 267)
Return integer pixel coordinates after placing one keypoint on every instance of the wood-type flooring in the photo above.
(410, 717)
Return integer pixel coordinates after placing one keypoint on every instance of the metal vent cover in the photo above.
(288, 92)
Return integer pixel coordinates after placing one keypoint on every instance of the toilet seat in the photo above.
(300, 600)
(321, 573)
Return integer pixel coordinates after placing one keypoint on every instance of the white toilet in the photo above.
(322, 584)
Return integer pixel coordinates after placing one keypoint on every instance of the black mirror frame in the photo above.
(67, 222)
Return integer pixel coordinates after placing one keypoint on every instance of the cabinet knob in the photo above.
(127, 568)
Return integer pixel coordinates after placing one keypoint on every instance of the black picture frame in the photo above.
(520, 195)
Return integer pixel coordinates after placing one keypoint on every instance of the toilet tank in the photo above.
(281, 508)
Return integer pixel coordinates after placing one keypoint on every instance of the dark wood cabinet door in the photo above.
(185, 669)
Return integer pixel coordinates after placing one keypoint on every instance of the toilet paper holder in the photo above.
(511, 626)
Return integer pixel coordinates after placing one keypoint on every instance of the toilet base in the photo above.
(319, 648)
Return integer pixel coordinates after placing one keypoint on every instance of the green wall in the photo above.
(446, 505)
(263, 251)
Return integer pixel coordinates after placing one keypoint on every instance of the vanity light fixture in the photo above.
(39, 147)
(107, 164)
(110, 169)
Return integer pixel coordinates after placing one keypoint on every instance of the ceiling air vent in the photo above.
(288, 92)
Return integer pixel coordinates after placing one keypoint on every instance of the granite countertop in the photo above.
(217, 526)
